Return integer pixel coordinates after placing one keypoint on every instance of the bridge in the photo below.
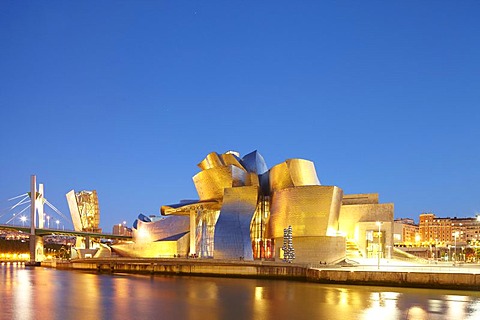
(55, 232)
(36, 231)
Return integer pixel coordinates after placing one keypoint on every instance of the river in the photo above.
(43, 293)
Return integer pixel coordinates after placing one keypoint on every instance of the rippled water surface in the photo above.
(41, 293)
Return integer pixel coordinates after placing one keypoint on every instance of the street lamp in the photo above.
(23, 219)
(48, 222)
(57, 222)
(379, 224)
(455, 235)
(431, 248)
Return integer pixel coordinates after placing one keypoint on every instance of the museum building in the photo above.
(245, 209)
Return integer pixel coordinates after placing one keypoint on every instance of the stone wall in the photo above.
(434, 280)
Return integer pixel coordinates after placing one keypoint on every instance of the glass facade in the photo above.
(375, 245)
(205, 232)
(262, 248)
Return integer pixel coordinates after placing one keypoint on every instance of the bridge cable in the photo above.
(25, 194)
(16, 215)
(21, 202)
(56, 210)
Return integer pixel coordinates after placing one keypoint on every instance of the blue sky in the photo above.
(126, 97)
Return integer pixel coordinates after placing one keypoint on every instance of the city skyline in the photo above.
(126, 98)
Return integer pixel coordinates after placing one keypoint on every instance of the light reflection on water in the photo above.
(41, 293)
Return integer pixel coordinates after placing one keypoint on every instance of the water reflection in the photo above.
(382, 304)
(22, 294)
(47, 293)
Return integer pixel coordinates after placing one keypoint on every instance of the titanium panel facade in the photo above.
(243, 209)
(232, 232)
(210, 183)
(167, 227)
(293, 173)
(254, 162)
(157, 249)
(212, 160)
(279, 177)
(231, 159)
(302, 172)
(310, 210)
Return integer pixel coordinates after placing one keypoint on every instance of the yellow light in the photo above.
(259, 293)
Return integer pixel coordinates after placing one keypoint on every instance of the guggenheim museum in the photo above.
(244, 209)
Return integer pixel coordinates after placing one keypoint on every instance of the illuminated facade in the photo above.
(406, 232)
(84, 210)
(122, 230)
(367, 223)
(243, 209)
(433, 229)
(468, 229)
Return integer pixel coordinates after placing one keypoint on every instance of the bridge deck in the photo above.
(46, 232)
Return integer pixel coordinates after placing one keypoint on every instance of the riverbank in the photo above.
(194, 267)
(430, 276)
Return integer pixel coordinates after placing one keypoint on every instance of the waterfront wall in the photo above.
(187, 267)
(272, 270)
(433, 280)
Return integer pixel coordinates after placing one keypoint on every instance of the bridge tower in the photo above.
(39, 206)
(36, 242)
